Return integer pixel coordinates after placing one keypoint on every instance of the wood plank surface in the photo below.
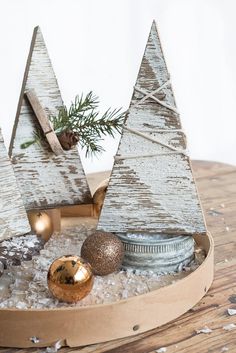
(44, 122)
(217, 187)
(45, 180)
(13, 217)
(77, 211)
(152, 172)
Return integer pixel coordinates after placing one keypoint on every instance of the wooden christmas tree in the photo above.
(46, 179)
(13, 218)
(152, 190)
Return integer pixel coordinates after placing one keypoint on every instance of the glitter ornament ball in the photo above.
(41, 224)
(70, 278)
(104, 251)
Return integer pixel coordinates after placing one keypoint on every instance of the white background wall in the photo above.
(98, 45)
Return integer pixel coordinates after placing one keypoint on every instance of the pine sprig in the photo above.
(38, 138)
(84, 120)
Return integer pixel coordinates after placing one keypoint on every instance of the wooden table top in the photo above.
(217, 187)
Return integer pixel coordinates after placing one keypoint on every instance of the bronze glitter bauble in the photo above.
(41, 224)
(104, 251)
(70, 278)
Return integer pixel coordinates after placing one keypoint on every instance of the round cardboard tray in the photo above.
(99, 323)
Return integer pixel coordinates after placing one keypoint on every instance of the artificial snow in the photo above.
(25, 286)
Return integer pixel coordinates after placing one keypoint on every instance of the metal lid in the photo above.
(161, 254)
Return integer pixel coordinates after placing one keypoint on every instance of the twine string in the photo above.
(118, 158)
(148, 137)
(150, 95)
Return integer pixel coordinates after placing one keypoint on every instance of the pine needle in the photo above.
(84, 120)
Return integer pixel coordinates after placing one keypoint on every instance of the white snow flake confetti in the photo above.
(224, 349)
(229, 327)
(34, 339)
(54, 348)
(161, 350)
(205, 329)
(231, 312)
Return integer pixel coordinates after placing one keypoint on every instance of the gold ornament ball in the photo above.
(41, 224)
(104, 251)
(70, 278)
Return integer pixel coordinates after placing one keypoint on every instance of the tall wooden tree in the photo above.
(45, 180)
(13, 218)
(152, 189)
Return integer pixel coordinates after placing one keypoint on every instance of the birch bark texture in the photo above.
(45, 180)
(13, 217)
(152, 189)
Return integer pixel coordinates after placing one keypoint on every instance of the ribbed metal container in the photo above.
(159, 253)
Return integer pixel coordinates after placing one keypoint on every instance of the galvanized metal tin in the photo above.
(159, 253)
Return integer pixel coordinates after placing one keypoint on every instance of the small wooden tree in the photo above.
(152, 189)
(13, 218)
(46, 180)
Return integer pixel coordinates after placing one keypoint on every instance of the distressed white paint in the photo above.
(155, 192)
(13, 218)
(45, 180)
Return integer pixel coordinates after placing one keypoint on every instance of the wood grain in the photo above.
(44, 122)
(151, 189)
(13, 218)
(78, 211)
(217, 187)
(45, 180)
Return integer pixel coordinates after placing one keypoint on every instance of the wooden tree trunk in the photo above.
(13, 218)
(45, 179)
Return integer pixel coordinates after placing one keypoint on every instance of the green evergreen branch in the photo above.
(38, 138)
(83, 119)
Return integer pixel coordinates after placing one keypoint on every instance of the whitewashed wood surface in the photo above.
(155, 194)
(45, 180)
(13, 218)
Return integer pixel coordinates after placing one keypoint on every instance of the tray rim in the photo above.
(109, 321)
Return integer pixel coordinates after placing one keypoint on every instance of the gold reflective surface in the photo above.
(70, 278)
(40, 223)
